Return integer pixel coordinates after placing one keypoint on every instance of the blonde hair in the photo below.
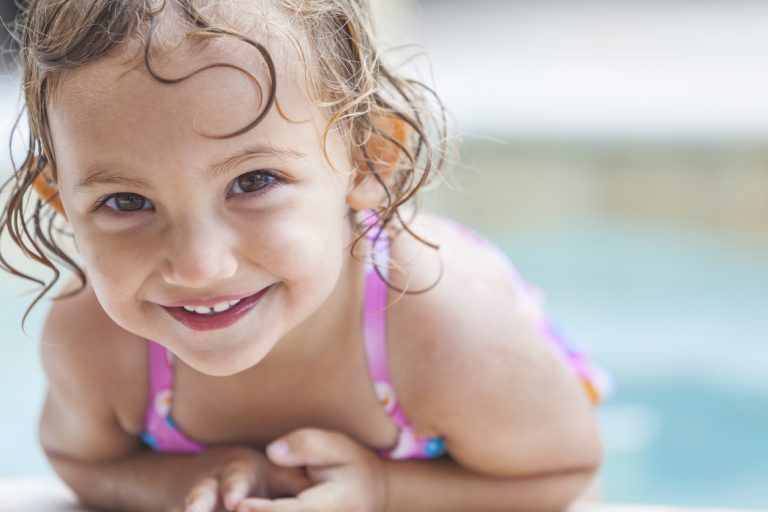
(378, 111)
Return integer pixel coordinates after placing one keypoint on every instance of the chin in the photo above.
(225, 362)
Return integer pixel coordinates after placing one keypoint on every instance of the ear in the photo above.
(366, 191)
(46, 187)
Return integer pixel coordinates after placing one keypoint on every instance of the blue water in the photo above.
(22, 385)
(677, 316)
(703, 444)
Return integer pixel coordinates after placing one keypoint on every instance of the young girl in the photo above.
(261, 321)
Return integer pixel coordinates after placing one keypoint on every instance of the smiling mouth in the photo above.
(213, 310)
(218, 316)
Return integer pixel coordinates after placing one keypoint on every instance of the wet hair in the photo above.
(378, 111)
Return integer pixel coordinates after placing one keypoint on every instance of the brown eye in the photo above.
(252, 182)
(126, 202)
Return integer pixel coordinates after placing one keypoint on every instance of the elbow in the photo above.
(573, 486)
(579, 454)
(596, 451)
(586, 458)
(78, 477)
(583, 476)
(592, 452)
(581, 445)
(579, 449)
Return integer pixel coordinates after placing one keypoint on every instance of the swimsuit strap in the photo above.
(375, 325)
(410, 445)
(160, 433)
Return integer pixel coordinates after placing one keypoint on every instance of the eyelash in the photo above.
(276, 180)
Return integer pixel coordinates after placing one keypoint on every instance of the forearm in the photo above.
(426, 486)
(144, 481)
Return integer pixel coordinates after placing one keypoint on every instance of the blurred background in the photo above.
(618, 152)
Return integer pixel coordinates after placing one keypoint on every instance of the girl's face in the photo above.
(166, 217)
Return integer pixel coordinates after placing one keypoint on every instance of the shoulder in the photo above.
(96, 373)
(476, 305)
(476, 367)
(78, 334)
(471, 319)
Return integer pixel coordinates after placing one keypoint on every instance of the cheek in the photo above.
(111, 257)
(297, 251)
(306, 237)
(113, 265)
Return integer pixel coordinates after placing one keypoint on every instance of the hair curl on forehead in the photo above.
(387, 119)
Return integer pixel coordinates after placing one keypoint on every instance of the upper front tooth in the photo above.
(221, 306)
(216, 308)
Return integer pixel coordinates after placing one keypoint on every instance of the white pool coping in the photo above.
(51, 495)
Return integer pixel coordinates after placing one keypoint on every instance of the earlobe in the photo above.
(384, 151)
(46, 187)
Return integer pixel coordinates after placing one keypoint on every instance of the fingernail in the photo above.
(230, 502)
(197, 505)
(254, 504)
(278, 448)
(233, 499)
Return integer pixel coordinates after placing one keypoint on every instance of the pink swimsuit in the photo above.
(163, 435)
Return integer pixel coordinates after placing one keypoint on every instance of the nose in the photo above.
(199, 252)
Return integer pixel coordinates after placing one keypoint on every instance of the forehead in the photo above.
(113, 113)
(231, 75)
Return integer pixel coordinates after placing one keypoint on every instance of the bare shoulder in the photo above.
(472, 321)
(476, 367)
(97, 378)
(78, 334)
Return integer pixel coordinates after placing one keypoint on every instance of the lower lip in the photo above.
(217, 320)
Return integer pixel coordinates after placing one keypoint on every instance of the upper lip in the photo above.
(207, 302)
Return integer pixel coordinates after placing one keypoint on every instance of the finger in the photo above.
(287, 481)
(237, 481)
(203, 496)
(322, 497)
(312, 447)
(326, 496)
(279, 505)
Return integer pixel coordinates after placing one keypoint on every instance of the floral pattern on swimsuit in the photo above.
(410, 444)
(160, 432)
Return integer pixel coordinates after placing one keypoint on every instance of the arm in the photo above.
(348, 477)
(144, 481)
(443, 486)
(518, 425)
(91, 366)
(519, 428)
(108, 469)
(79, 430)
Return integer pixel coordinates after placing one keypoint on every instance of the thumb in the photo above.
(312, 447)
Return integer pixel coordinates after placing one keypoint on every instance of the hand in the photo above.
(222, 477)
(345, 476)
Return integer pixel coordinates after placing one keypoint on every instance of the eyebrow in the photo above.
(103, 177)
(255, 150)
